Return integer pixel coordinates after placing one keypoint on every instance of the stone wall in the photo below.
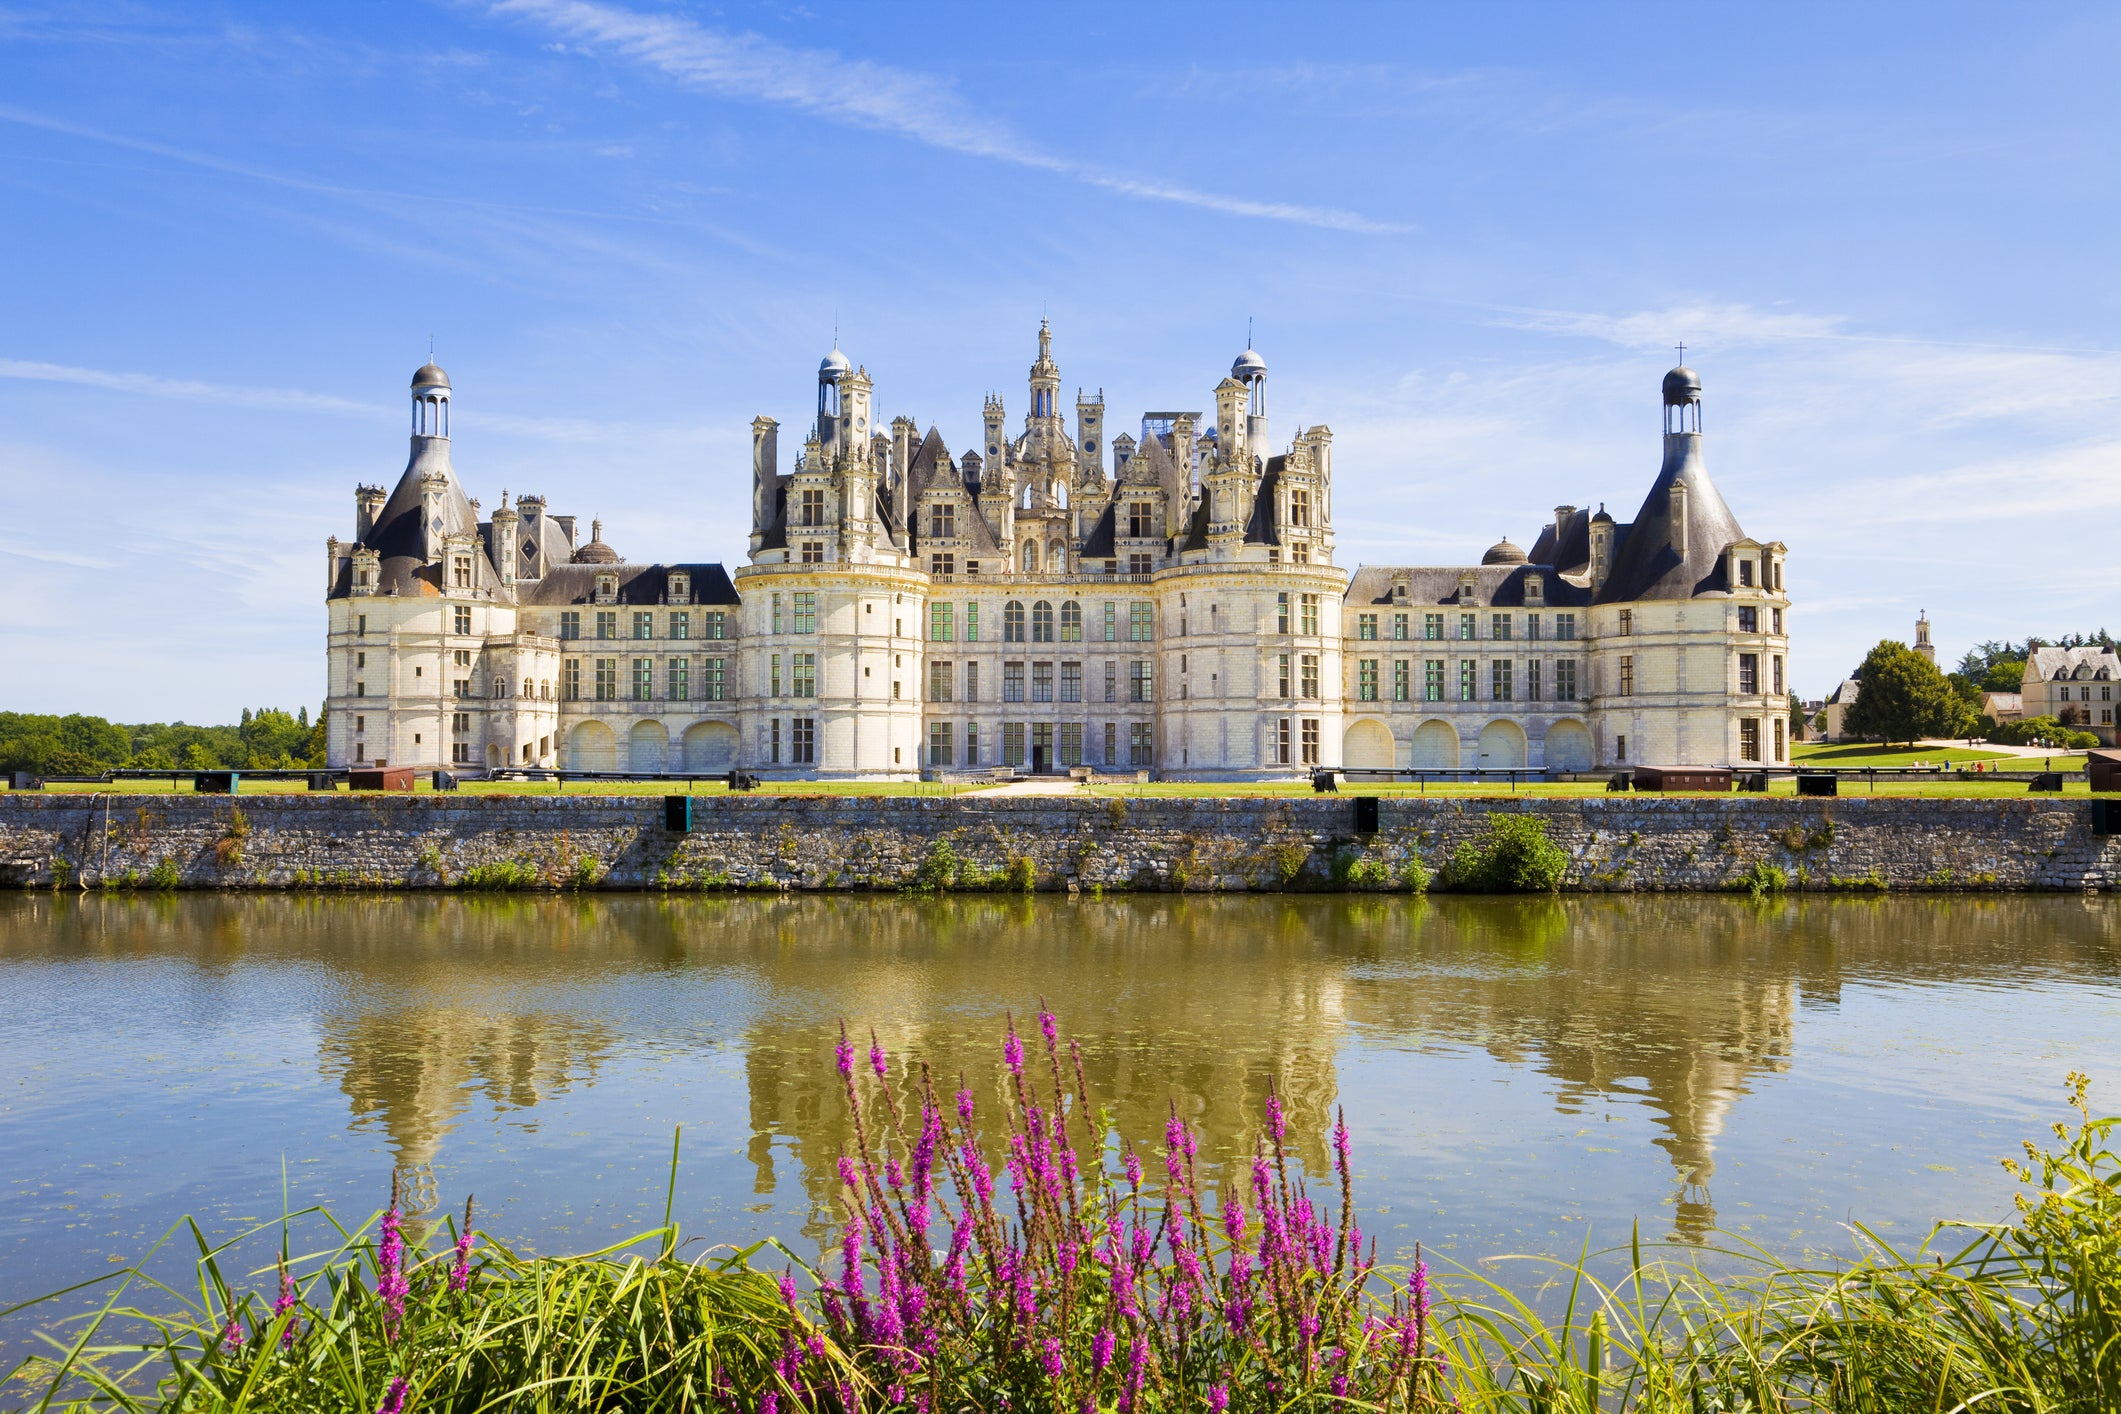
(854, 842)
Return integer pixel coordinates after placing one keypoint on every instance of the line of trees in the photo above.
(77, 744)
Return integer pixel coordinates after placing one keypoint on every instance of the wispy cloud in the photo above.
(186, 389)
(860, 93)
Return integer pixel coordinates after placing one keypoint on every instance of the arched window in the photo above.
(529, 688)
(545, 689)
(1013, 621)
(1057, 557)
(1071, 622)
(1041, 622)
(1030, 564)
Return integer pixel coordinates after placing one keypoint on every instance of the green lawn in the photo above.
(1862, 754)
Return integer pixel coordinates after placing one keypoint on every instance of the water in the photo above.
(1521, 1076)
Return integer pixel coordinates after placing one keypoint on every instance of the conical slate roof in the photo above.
(1648, 564)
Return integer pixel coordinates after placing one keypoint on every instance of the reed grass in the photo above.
(1072, 1280)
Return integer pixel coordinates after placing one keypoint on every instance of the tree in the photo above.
(1796, 718)
(2004, 675)
(1905, 698)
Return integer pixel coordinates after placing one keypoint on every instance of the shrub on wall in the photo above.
(1510, 855)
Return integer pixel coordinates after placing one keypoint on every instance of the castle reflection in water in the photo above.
(422, 1007)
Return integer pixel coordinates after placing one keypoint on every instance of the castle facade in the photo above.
(1045, 599)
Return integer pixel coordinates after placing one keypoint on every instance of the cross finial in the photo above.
(430, 348)
(1682, 353)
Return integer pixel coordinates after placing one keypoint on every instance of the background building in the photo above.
(1050, 598)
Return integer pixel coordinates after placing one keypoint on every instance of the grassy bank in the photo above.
(1090, 1270)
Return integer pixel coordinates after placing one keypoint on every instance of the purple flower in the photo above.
(391, 1281)
(843, 1054)
(876, 1058)
(964, 1105)
(393, 1398)
(1234, 1219)
(284, 1304)
(460, 1269)
(232, 1335)
(1013, 1053)
(1101, 1347)
(1276, 1125)
(1047, 1024)
(1218, 1398)
(1050, 1357)
(1134, 1169)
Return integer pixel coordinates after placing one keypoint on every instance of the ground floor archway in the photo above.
(592, 747)
(1502, 746)
(1436, 746)
(648, 747)
(1568, 747)
(710, 746)
(1366, 746)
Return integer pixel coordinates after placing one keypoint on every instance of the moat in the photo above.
(1518, 1074)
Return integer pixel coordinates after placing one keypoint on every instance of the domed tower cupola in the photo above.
(830, 371)
(1682, 400)
(1045, 377)
(1503, 552)
(430, 401)
(1251, 370)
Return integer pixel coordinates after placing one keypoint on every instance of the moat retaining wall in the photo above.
(1619, 843)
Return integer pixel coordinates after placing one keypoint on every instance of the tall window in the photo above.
(1071, 622)
(1310, 741)
(1432, 680)
(1366, 627)
(1778, 677)
(1627, 621)
(776, 614)
(1013, 622)
(1468, 626)
(802, 741)
(1748, 735)
(462, 618)
(811, 507)
(1012, 743)
(1071, 743)
(939, 743)
(1299, 507)
(1284, 666)
(941, 627)
(714, 680)
(802, 675)
(717, 624)
(972, 625)
(942, 521)
(942, 563)
(1499, 627)
(1432, 625)
(571, 680)
(1141, 520)
(680, 680)
(1071, 682)
(939, 676)
(1468, 680)
(1779, 724)
(1141, 744)
(1399, 626)
(1141, 564)
(1564, 679)
(1627, 676)
(1281, 612)
(1748, 619)
(643, 679)
(971, 686)
(1402, 680)
(1531, 627)
(813, 552)
(607, 679)
(1281, 742)
(1366, 680)
(806, 611)
(1307, 669)
(643, 624)
(1041, 682)
(1042, 622)
(1111, 622)
(1012, 682)
(1565, 626)
(1140, 685)
(1745, 579)
(681, 624)
(1748, 673)
(607, 623)
(1112, 683)
(1775, 617)
(773, 678)
(1308, 606)
(570, 623)
(1141, 622)
(1499, 685)
(1531, 680)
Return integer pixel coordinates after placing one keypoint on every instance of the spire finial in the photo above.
(1682, 353)
(1248, 331)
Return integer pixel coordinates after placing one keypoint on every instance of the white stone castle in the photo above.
(1046, 601)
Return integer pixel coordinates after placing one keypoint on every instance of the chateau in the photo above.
(1049, 599)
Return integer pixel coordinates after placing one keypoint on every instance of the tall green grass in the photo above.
(2015, 1317)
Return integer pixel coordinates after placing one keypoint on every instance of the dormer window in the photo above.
(607, 588)
(1535, 587)
(460, 571)
(680, 587)
(1745, 574)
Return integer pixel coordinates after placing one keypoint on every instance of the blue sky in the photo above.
(1467, 236)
